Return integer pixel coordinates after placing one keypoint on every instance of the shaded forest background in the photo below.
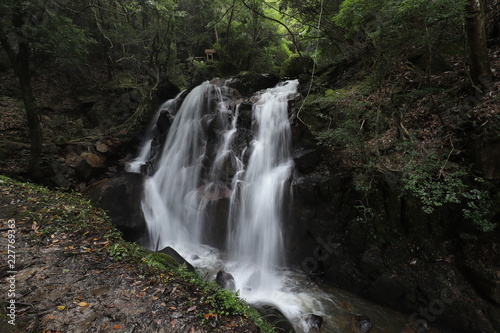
(407, 86)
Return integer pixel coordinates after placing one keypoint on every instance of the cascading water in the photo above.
(255, 238)
(170, 205)
(211, 165)
(137, 163)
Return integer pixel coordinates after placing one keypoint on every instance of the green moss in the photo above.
(160, 261)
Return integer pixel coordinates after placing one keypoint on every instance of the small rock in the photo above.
(314, 321)
(363, 323)
(101, 147)
(93, 160)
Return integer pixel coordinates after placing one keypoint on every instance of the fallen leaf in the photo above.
(117, 327)
(191, 308)
(208, 315)
(61, 307)
(50, 317)
(84, 304)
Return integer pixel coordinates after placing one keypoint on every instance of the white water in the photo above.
(184, 182)
(255, 238)
(145, 148)
(170, 205)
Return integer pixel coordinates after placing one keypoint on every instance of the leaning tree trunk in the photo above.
(480, 70)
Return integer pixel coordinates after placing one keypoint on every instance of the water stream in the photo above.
(208, 162)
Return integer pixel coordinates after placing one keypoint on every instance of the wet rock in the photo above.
(121, 198)
(164, 121)
(180, 259)
(225, 280)
(215, 228)
(275, 317)
(306, 159)
(363, 323)
(314, 321)
(245, 115)
(248, 82)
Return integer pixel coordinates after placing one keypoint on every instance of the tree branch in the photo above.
(294, 40)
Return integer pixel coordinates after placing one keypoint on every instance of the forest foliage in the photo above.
(155, 41)
(167, 38)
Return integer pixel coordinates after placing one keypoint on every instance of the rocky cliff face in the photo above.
(436, 267)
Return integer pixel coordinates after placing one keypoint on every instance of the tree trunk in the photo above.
(480, 70)
(21, 63)
(23, 72)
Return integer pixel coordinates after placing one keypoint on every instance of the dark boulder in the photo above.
(275, 317)
(225, 280)
(177, 257)
(248, 83)
(121, 198)
(306, 159)
(166, 90)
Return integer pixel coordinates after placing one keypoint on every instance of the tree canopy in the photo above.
(158, 40)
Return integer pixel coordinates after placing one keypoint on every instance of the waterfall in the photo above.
(218, 192)
(187, 176)
(211, 162)
(255, 235)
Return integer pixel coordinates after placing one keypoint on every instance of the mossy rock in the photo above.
(162, 260)
(296, 66)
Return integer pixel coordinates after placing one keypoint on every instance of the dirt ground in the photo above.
(58, 274)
